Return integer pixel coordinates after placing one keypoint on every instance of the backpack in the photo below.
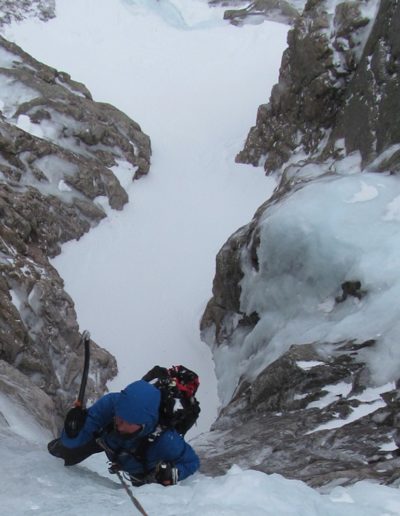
(179, 409)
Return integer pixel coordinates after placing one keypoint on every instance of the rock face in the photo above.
(336, 103)
(17, 10)
(276, 425)
(321, 69)
(58, 150)
(256, 12)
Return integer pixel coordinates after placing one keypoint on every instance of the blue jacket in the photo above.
(138, 403)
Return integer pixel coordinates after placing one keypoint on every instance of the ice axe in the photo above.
(85, 340)
(76, 417)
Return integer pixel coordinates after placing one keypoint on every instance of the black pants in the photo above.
(73, 456)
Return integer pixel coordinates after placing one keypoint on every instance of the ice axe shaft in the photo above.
(134, 500)
(76, 416)
(85, 340)
(111, 454)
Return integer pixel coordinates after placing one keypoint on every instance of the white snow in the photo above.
(46, 129)
(374, 393)
(393, 210)
(370, 399)
(366, 193)
(350, 165)
(16, 299)
(308, 364)
(63, 187)
(12, 94)
(359, 412)
(334, 392)
(391, 446)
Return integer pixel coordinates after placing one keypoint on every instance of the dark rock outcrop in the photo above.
(57, 152)
(259, 10)
(320, 72)
(368, 120)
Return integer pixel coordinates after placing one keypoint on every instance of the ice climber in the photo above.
(125, 426)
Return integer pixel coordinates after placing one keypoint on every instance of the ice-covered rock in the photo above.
(303, 322)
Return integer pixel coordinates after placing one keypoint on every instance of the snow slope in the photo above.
(141, 280)
(33, 482)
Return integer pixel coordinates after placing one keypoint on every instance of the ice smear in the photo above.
(391, 446)
(18, 422)
(8, 59)
(312, 242)
(374, 393)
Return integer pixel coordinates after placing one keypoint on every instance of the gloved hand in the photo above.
(74, 421)
(166, 474)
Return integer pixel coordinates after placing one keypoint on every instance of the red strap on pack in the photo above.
(188, 389)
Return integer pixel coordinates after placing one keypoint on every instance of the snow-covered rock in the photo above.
(18, 10)
(58, 149)
(241, 12)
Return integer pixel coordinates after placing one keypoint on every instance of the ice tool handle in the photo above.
(85, 340)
